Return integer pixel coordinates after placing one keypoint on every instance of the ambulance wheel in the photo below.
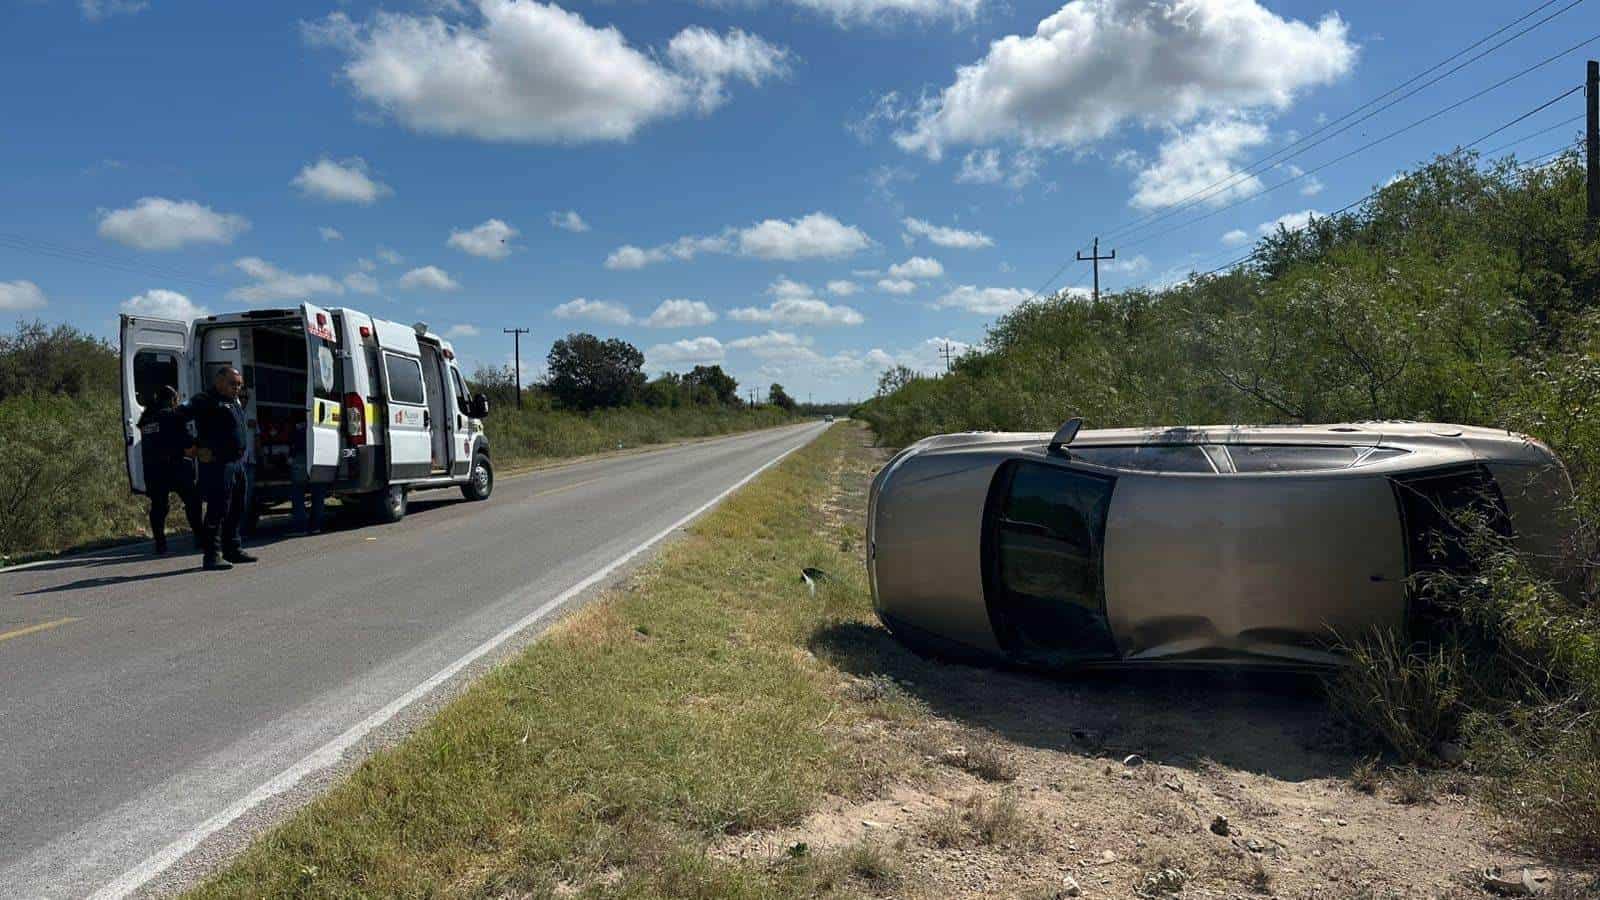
(480, 483)
(389, 504)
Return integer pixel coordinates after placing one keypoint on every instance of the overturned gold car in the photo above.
(1209, 545)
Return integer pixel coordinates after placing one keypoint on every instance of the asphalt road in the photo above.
(145, 704)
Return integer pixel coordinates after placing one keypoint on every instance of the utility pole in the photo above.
(1592, 98)
(1095, 258)
(945, 352)
(516, 354)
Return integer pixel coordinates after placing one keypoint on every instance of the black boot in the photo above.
(237, 555)
(161, 545)
(212, 564)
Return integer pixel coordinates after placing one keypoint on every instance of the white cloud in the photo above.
(689, 351)
(330, 234)
(917, 267)
(462, 330)
(163, 304)
(1288, 221)
(1312, 187)
(987, 301)
(345, 181)
(1235, 237)
(429, 278)
(941, 236)
(156, 223)
(525, 71)
(16, 296)
(680, 314)
(795, 311)
(389, 256)
(846, 13)
(366, 265)
(594, 311)
(814, 236)
(1131, 265)
(98, 10)
(1092, 66)
(896, 286)
(842, 288)
(985, 167)
(713, 60)
(1194, 162)
(361, 283)
(491, 240)
(272, 283)
(569, 221)
(795, 304)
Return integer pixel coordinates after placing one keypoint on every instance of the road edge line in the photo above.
(331, 752)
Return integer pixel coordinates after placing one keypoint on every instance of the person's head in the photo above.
(165, 397)
(228, 382)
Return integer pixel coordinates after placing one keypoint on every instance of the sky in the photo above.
(804, 192)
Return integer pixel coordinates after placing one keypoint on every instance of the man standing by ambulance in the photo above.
(219, 422)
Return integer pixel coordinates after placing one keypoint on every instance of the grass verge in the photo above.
(607, 758)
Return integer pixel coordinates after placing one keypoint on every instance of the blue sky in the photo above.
(803, 191)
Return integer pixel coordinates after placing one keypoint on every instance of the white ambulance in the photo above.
(372, 409)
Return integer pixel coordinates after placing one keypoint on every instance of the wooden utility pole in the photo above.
(1592, 101)
(945, 352)
(516, 355)
(1095, 258)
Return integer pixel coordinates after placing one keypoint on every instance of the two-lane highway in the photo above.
(146, 705)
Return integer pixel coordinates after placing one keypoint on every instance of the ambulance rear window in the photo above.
(151, 370)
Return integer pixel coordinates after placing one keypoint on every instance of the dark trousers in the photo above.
(161, 482)
(222, 490)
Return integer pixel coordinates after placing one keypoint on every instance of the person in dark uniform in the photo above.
(220, 424)
(165, 442)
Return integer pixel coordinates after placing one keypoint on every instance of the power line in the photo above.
(1278, 157)
(1540, 133)
(26, 244)
(1370, 144)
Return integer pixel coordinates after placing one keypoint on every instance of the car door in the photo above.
(155, 353)
(410, 440)
(324, 393)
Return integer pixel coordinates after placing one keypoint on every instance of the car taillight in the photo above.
(355, 419)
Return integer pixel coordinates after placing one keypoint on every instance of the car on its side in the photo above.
(1223, 545)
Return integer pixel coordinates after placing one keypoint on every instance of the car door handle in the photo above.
(427, 420)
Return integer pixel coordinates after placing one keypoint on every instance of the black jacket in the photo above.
(164, 434)
(219, 424)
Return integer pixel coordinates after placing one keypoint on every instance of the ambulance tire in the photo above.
(480, 481)
(389, 505)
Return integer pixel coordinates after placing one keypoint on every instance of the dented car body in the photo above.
(1212, 545)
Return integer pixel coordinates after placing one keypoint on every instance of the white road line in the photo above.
(332, 751)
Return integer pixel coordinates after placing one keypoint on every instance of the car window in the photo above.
(405, 379)
(1147, 458)
(1249, 458)
(462, 403)
(1048, 564)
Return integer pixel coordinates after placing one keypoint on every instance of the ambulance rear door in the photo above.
(324, 393)
(155, 353)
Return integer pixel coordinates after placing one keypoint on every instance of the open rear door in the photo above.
(155, 352)
(324, 393)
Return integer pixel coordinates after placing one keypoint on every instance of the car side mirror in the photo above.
(480, 406)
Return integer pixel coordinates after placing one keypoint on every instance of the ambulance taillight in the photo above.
(355, 419)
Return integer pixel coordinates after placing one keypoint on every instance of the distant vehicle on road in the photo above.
(828, 417)
(373, 409)
(1218, 545)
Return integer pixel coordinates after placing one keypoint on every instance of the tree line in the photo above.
(585, 373)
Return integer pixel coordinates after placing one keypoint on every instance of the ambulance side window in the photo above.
(153, 369)
(462, 404)
(405, 379)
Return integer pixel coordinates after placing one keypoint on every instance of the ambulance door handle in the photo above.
(427, 420)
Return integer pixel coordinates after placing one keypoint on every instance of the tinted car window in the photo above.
(153, 369)
(1049, 592)
(405, 379)
(1264, 458)
(1147, 458)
